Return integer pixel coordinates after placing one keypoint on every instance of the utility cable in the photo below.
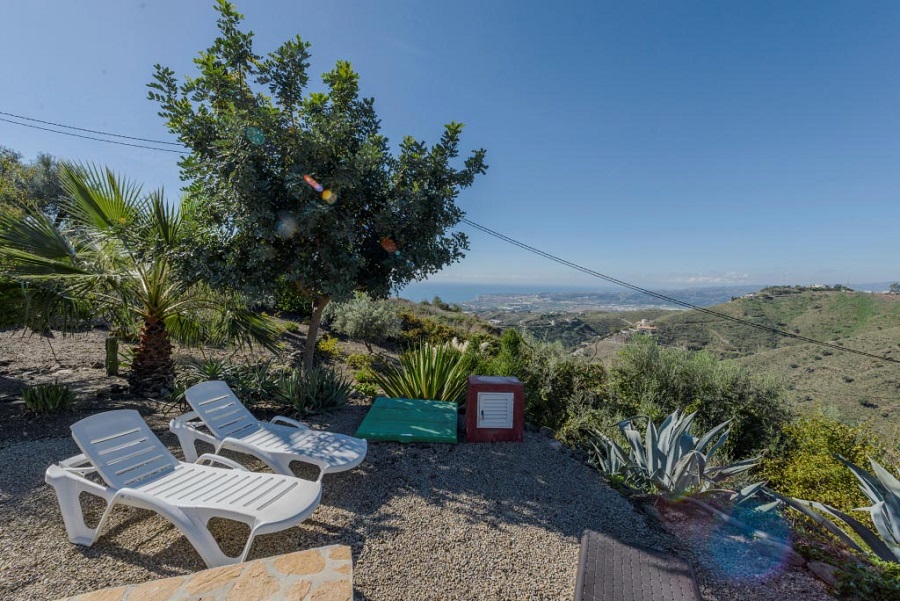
(91, 131)
(66, 133)
(669, 299)
(488, 231)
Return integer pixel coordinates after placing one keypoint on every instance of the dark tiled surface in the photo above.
(612, 571)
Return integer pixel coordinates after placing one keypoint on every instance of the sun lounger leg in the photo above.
(187, 441)
(201, 539)
(68, 493)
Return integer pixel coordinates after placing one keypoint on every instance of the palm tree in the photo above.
(115, 256)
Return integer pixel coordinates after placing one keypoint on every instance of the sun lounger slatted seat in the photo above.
(139, 471)
(229, 425)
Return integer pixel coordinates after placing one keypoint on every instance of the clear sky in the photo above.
(664, 143)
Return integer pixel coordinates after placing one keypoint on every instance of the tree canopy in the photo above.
(34, 184)
(300, 185)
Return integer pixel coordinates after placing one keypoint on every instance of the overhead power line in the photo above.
(91, 131)
(670, 299)
(486, 230)
(68, 133)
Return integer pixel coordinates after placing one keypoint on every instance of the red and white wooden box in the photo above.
(495, 409)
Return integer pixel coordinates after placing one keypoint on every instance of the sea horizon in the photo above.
(461, 292)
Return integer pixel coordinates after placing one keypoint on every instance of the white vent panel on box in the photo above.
(495, 410)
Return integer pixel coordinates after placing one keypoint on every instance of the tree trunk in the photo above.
(153, 369)
(309, 350)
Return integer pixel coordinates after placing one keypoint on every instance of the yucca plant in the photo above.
(427, 372)
(670, 459)
(48, 397)
(883, 490)
(114, 256)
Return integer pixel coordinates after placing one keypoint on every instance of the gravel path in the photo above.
(498, 521)
(468, 522)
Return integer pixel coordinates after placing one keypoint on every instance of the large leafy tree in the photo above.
(301, 186)
(36, 183)
(113, 257)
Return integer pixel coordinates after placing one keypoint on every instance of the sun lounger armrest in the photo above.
(288, 421)
(78, 464)
(210, 458)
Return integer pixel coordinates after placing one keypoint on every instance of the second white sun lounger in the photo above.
(139, 471)
(229, 425)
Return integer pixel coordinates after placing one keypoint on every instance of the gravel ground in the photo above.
(470, 521)
(498, 521)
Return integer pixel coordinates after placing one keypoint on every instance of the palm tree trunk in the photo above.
(309, 350)
(153, 368)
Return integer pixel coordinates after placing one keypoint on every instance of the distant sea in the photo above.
(460, 293)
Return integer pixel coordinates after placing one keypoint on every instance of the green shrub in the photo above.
(427, 372)
(417, 329)
(289, 298)
(366, 389)
(655, 381)
(313, 390)
(877, 582)
(48, 398)
(252, 382)
(328, 347)
(359, 360)
(364, 319)
(366, 376)
(805, 466)
(207, 368)
(291, 326)
(555, 382)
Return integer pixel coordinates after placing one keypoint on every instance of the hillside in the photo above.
(572, 330)
(856, 389)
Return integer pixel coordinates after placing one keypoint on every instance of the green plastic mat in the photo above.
(409, 420)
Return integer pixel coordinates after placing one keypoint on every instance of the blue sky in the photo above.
(666, 144)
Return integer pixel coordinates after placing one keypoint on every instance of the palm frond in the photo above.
(98, 198)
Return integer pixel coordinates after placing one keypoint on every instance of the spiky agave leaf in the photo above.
(672, 459)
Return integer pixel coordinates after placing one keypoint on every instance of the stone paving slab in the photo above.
(609, 570)
(322, 574)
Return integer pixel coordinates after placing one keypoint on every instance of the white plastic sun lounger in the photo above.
(139, 471)
(229, 425)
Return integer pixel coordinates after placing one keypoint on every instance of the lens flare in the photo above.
(389, 245)
(313, 183)
(255, 135)
(286, 226)
(329, 197)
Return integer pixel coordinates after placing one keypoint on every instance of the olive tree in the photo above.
(302, 185)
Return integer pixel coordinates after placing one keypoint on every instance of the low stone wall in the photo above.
(322, 574)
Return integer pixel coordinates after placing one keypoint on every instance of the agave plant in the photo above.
(670, 459)
(114, 257)
(883, 490)
(312, 390)
(427, 372)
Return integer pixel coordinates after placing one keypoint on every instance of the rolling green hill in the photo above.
(854, 388)
(857, 389)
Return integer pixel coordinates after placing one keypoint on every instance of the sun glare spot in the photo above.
(286, 226)
(254, 135)
(389, 245)
(313, 183)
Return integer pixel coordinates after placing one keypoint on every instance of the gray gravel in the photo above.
(468, 522)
